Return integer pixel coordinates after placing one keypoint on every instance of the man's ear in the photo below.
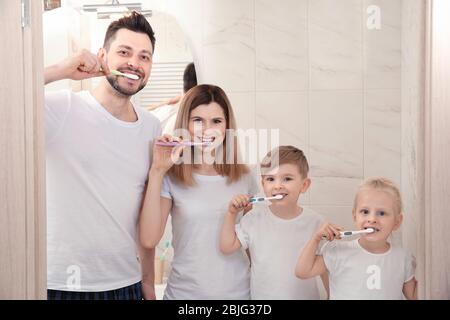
(398, 221)
(306, 184)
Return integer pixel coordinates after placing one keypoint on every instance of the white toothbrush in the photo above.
(344, 234)
(127, 75)
(261, 199)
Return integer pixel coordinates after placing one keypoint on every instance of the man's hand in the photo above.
(81, 65)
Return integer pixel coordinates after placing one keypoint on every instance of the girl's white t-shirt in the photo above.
(199, 269)
(357, 274)
(275, 245)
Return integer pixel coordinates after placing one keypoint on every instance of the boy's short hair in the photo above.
(134, 22)
(382, 184)
(284, 155)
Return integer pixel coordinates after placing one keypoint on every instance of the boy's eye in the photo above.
(287, 179)
(381, 213)
(122, 52)
(364, 211)
(269, 179)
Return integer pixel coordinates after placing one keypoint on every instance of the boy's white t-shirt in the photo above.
(199, 269)
(357, 274)
(275, 245)
(97, 167)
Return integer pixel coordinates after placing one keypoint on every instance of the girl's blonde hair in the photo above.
(382, 184)
(203, 95)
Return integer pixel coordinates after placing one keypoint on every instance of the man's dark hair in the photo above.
(134, 22)
(189, 77)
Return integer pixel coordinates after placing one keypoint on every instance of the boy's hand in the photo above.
(239, 203)
(328, 231)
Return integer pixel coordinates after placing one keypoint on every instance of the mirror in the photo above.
(75, 24)
(79, 28)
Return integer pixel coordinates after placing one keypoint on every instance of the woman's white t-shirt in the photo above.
(199, 269)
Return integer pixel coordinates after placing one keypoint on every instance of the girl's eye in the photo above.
(269, 179)
(217, 121)
(197, 120)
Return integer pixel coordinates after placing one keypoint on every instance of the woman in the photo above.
(196, 192)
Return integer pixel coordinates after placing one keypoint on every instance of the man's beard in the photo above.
(114, 82)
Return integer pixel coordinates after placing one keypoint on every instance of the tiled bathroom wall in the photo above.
(315, 70)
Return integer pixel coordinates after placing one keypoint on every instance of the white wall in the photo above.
(312, 69)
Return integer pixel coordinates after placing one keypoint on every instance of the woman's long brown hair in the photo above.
(203, 95)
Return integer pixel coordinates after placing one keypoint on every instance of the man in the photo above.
(98, 158)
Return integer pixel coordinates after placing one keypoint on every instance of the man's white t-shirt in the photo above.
(199, 269)
(97, 167)
(357, 274)
(275, 245)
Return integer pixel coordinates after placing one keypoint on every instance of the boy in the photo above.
(273, 234)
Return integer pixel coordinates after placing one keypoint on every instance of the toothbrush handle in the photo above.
(342, 234)
(167, 144)
(256, 199)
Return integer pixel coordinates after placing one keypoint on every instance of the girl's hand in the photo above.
(164, 157)
(239, 203)
(328, 231)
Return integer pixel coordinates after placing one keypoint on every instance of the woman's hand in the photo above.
(164, 157)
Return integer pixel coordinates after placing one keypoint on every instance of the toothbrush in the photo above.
(127, 75)
(344, 234)
(182, 143)
(162, 257)
(261, 199)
